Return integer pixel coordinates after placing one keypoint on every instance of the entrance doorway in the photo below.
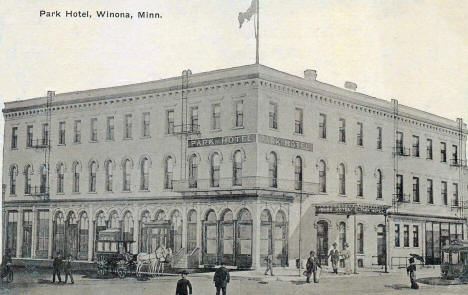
(381, 245)
(322, 242)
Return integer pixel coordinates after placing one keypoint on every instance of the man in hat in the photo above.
(335, 258)
(312, 267)
(221, 279)
(68, 270)
(183, 284)
(6, 261)
(57, 265)
(346, 254)
(269, 264)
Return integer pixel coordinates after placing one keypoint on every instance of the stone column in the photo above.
(184, 229)
(34, 233)
(199, 228)
(19, 234)
(5, 227)
(256, 238)
(90, 238)
(136, 236)
(51, 234)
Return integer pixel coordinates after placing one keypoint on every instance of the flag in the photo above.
(248, 13)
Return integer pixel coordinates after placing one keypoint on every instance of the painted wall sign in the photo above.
(350, 209)
(294, 144)
(222, 140)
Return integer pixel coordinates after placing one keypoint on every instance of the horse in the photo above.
(146, 259)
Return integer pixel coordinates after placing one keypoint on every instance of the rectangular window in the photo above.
(429, 149)
(42, 244)
(170, 121)
(14, 137)
(415, 146)
(62, 133)
(11, 235)
(342, 131)
(443, 192)
(77, 128)
(323, 126)
(273, 115)
(110, 128)
(455, 195)
(45, 134)
(93, 129)
(455, 155)
(416, 189)
(29, 136)
(397, 235)
(379, 138)
(415, 236)
(399, 143)
(239, 116)
(194, 119)
(216, 116)
(399, 188)
(430, 193)
(128, 126)
(298, 122)
(146, 125)
(443, 152)
(360, 134)
(406, 235)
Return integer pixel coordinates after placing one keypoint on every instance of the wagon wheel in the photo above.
(10, 276)
(122, 271)
(101, 272)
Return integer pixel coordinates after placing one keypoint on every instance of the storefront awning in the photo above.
(351, 208)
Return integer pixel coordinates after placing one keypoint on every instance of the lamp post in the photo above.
(300, 231)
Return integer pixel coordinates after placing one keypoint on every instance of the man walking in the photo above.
(269, 264)
(312, 267)
(57, 265)
(335, 257)
(183, 284)
(221, 279)
(68, 270)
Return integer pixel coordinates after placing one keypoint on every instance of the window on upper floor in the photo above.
(359, 182)
(126, 171)
(77, 129)
(92, 177)
(415, 146)
(13, 174)
(61, 133)
(216, 116)
(298, 173)
(108, 167)
(322, 176)
(128, 126)
(168, 172)
(194, 125)
(14, 137)
(215, 169)
(360, 134)
(416, 189)
(193, 171)
(170, 121)
(443, 152)
(298, 121)
(273, 115)
(342, 131)
(430, 192)
(379, 138)
(60, 178)
(323, 126)
(379, 183)
(45, 134)
(397, 235)
(43, 179)
(443, 192)
(144, 174)
(415, 236)
(27, 179)
(239, 114)
(406, 235)
(110, 128)
(237, 168)
(399, 188)
(29, 136)
(93, 131)
(455, 195)
(399, 143)
(360, 238)
(273, 169)
(429, 149)
(145, 125)
(455, 155)
(76, 167)
(342, 179)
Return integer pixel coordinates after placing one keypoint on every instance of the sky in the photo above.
(413, 50)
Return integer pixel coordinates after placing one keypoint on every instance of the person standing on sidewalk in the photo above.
(57, 265)
(335, 258)
(312, 267)
(346, 254)
(68, 270)
(411, 271)
(269, 264)
(183, 284)
(221, 279)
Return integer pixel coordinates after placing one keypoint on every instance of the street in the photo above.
(39, 282)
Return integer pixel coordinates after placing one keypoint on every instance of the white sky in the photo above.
(412, 50)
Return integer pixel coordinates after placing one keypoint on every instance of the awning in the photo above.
(351, 208)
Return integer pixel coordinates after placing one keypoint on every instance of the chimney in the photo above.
(310, 74)
(350, 85)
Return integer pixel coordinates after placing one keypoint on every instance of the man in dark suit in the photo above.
(182, 285)
(57, 265)
(68, 270)
(221, 279)
(312, 267)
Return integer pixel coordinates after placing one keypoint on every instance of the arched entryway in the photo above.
(280, 241)
(227, 238)
(71, 235)
(266, 234)
(176, 231)
(100, 225)
(59, 234)
(210, 239)
(322, 242)
(191, 230)
(145, 219)
(84, 234)
(156, 232)
(244, 239)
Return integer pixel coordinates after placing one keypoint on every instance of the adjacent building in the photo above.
(232, 165)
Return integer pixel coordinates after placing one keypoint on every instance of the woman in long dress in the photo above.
(347, 259)
(411, 271)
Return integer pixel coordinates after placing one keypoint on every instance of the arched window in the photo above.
(215, 166)
(298, 173)
(114, 220)
(60, 178)
(193, 171)
(379, 184)
(273, 169)
(322, 176)
(342, 179)
(128, 226)
(109, 173)
(360, 238)
(126, 175)
(27, 179)
(237, 168)
(76, 177)
(59, 234)
(191, 230)
(43, 179)
(13, 174)
(144, 174)
(177, 225)
(359, 184)
(84, 230)
(92, 176)
(168, 172)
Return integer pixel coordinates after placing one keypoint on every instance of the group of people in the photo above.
(221, 279)
(60, 266)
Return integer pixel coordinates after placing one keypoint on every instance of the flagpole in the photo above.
(257, 59)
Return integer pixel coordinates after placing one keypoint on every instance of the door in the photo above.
(27, 241)
(72, 240)
(280, 240)
(226, 231)
(243, 249)
(322, 242)
(381, 245)
(210, 243)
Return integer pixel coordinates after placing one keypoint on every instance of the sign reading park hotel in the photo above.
(249, 138)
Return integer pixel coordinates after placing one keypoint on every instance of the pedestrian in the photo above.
(221, 279)
(269, 264)
(6, 262)
(346, 254)
(312, 267)
(411, 271)
(57, 265)
(182, 285)
(335, 257)
(68, 270)
(161, 253)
